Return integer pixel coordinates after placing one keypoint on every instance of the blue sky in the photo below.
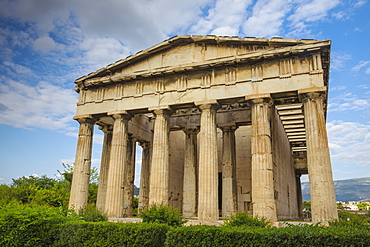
(46, 44)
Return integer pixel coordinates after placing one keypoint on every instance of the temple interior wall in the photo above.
(243, 168)
(176, 172)
(284, 173)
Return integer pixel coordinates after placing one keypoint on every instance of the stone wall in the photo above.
(177, 140)
(284, 173)
(243, 168)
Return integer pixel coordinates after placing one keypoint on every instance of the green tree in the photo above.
(362, 206)
(307, 205)
(67, 174)
(339, 205)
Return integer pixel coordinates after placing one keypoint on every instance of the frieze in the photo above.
(186, 112)
(234, 107)
(257, 72)
(230, 74)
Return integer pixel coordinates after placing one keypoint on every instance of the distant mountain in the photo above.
(355, 189)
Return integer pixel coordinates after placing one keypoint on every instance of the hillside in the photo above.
(346, 190)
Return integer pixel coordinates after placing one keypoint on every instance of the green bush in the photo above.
(29, 225)
(242, 219)
(162, 215)
(91, 214)
(111, 234)
(289, 236)
(347, 219)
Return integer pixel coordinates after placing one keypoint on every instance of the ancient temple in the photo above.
(226, 125)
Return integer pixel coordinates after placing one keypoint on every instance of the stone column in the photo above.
(190, 183)
(208, 164)
(144, 176)
(104, 167)
(323, 203)
(299, 195)
(82, 165)
(159, 174)
(117, 165)
(229, 195)
(128, 198)
(262, 164)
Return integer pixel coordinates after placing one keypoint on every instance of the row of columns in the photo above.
(201, 178)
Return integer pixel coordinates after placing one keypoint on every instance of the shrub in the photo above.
(347, 219)
(91, 214)
(162, 215)
(242, 219)
(111, 234)
(305, 235)
(29, 225)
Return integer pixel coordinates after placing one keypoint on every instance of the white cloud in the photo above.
(341, 15)
(69, 161)
(17, 69)
(306, 12)
(363, 86)
(311, 11)
(360, 65)
(360, 3)
(349, 143)
(44, 44)
(175, 16)
(44, 106)
(99, 52)
(223, 18)
(338, 88)
(267, 18)
(338, 60)
(348, 102)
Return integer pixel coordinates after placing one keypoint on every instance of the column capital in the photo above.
(228, 128)
(120, 115)
(207, 105)
(259, 98)
(144, 144)
(85, 118)
(192, 130)
(105, 128)
(161, 110)
(311, 96)
(131, 137)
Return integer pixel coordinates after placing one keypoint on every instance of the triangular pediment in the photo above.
(184, 52)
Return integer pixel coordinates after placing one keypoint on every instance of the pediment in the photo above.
(187, 52)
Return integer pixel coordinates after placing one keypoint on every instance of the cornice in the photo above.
(292, 47)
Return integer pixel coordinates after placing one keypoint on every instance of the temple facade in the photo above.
(226, 125)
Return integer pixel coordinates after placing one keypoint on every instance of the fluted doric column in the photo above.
(159, 175)
(81, 171)
(262, 164)
(128, 197)
(229, 196)
(323, 203)
(104, 167)
(117, 165)
(144, 176)
(190, 182)
(208, 164)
